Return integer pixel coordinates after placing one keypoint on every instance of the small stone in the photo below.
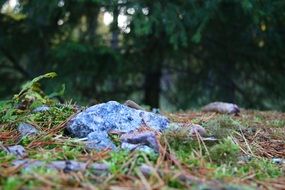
(17, 150)
(221, 107)
(146, 170)
(26, 129)
(210, 139)
(42, 108)
(278, 161)
(147, 138)
(197, 129)
(68, 166)
(64, 165)
(99, 166)
(133, 105)
(138, 147)
(28, 164)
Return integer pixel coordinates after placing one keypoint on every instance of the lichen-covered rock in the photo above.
(113, 116)
(26, 129)
(96, 121)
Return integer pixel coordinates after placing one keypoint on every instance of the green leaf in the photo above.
(33, 85)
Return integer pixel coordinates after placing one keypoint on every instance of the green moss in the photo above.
(261, 168)
(116, 161)
(174, 183)
(55, 116)
(26, 140)
(224, 152)
(222, 126)
(12, 183)
(68, 150)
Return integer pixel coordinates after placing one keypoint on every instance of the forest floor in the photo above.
(249, 152)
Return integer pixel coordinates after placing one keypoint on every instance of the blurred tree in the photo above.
(179, 53)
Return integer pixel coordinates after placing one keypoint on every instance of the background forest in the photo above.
(173, 54)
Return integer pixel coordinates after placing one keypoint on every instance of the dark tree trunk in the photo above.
(153, 57)
(92, 12)
(152, 88)
(115, 29)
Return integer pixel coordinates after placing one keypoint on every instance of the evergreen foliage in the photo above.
(176, 53)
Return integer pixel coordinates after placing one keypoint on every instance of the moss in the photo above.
(261, 168)
(223, 126)
(224, 152)
(55, 116)
(12, 183)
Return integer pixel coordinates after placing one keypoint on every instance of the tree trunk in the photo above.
(152, 88)
(115, 29)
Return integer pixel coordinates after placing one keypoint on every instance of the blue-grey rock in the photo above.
(17, 150)
(102, 118)
(26, 129)
(113, 116)
(42, 108)
(99, 141)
